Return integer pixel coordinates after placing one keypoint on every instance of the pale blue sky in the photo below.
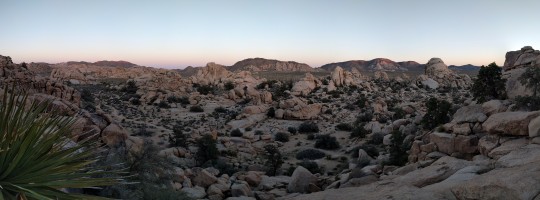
(182, 33)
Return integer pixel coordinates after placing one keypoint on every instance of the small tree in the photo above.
(489, 84)
(326, 142)
(531, 79)
(438, 113)
(398, 149)
(274, 159)
(178, 138)
(207, 149)
(271, 112)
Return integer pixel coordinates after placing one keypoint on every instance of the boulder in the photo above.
(469, 114)
(510, 123)
(300, 180)
(241, 189)
(436, 172)
(534, 127)
(203, 178)
(493, 106)
(194, 192)
(114, 135)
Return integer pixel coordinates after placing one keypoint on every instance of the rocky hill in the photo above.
(261, 64)
(375, 65)
(104, 63)
(467, 67)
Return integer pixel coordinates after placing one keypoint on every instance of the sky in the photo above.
(176, 34)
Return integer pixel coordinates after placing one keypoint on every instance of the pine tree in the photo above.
(489, 84)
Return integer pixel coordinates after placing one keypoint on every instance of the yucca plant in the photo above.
(37, 160)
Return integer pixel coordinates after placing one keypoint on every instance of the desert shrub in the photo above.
(207, 149)
(308, 127)
(270, 83)
(280, 91)
(130, 88)
(370, 149)
(382, 119)
(271, 112)
(438, 112)
(229, 85)
(326, 142)
(273, 157)
(489, 84)
(236, 133)
(87, 96)
(135, 102)
(144, 132)
(358, 132)
(398, 149)
(178, 138)
(364, 117)
(220, 110)
(196, 108)
(311, 166)
(163, 104)
(361, 103)
(249, 128)
(292, 130)
(282, 137)
(311, 136)
(376, 138)
(529, 103)
(310, 154)
(344, 127)
(206, 89)
(398, 114)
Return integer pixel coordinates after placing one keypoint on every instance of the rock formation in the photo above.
(515, 65)
(437, 75)
(305, 85)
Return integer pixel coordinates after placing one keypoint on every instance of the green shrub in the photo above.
(531, 79)
(271, 112)
(489, 84)
(376, 138)
(312, 167)
(398, 149)
(274, 160)
(438, 112)
(344, 127)
(163, 104)
(308, 127)
(220, 110)
(282, 137)
(178, 138)
(87, 96)
(311, 136)
(292, 130)
(196, 108)
(206, 89)
(229, 85)
(236, 133)
(528, 103)
(130, 88)
(326, 142)
(358, 132)
(207, 149)
(310, 154)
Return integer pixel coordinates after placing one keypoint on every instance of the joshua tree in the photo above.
(36, 157)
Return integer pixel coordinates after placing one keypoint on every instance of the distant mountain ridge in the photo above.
(467, 67)
(376, 64)
(262, 64)
(104, 63)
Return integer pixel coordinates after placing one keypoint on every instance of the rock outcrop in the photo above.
(437, 74)
(305, 85)
(515, 65)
